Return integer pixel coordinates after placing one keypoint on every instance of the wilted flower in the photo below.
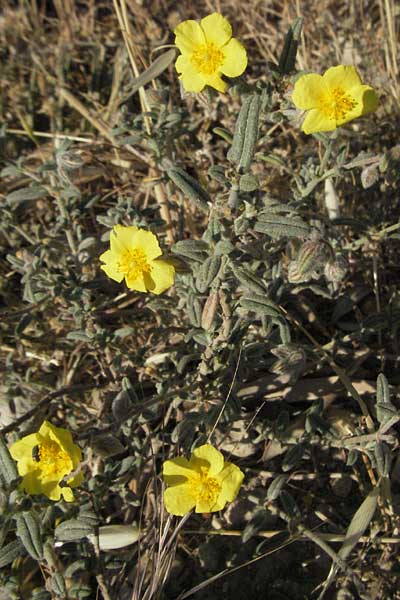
(133, 255)
(205, 482)
(208, 51)
(332, 99)
(44, 461)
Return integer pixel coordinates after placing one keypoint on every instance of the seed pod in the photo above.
(112, 537)
(336, 270)
(209, 311)
(311, 256)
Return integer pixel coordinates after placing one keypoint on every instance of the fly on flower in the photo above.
(206, 482)
(332, 99)
(48, 462)
(208, 51)
(134, 256)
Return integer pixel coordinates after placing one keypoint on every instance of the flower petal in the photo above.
(112, 272)
(136, 283)
(204, 505)
(161, 277)
(366, 102)
(308, 90)
(207, 456)
(192, 81)
(188, 36)
(32, 483)
(179, 499)
(147, 242)
(230, 478)
(54, 491)
(235, 61)
(369, 98)
(111, 268)
(217, 29)
(121, 238)
(57, 434)
(317, 121)
(177, 471)
(216, 82)
(23, 448)
(67, 494)
(342, 76)
(76, 480)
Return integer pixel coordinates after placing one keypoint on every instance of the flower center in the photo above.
(53, 461)
(133, 263)
(207, 58)
(207, 488)
(337, 104)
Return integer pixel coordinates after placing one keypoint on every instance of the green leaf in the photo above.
(155, 69)
(8, 468)
(278, 227)
(29, 193)
(189, 186)
(10, 552)
(207, 273)
(73, 530)
(261, 306)
(248, 279)
(193, 249)
(359, 523)
(288, 56)
(29, 532)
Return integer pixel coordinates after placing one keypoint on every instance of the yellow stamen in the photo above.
(54, 462)
(206, 488)
(133, 263)
(207, 58)
(337, 104)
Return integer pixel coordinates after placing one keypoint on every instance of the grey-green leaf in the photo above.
(8, 468)
(73, 529)
(359, 523)
(155, 69)
(29, 532)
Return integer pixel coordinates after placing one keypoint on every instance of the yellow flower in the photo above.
(132, 255)
(45, 459)
(208, 51)
(205, 482)
(333, 98)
